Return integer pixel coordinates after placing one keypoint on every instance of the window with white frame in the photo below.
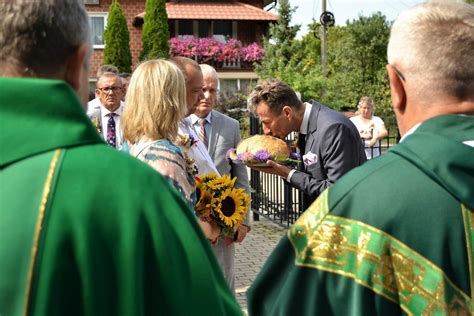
(98, 22)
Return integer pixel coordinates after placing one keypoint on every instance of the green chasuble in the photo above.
(394, 236)
(87, 230)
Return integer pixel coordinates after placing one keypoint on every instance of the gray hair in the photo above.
(208, 70)
(37, 37)
(276, 94)
(432, 44)
(106, 68)
(106, 75)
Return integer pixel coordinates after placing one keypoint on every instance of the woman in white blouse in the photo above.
(371, 128)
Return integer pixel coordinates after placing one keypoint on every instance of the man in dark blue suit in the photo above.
(329, 142)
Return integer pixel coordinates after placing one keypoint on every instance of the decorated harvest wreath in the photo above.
(260, 148)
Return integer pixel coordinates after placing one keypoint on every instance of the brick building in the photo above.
(247, 21)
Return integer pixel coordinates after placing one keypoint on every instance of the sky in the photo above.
(346, 9)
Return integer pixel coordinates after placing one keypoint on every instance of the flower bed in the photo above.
(211, 51)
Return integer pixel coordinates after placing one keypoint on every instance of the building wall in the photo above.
(131, 8)
(247, 31)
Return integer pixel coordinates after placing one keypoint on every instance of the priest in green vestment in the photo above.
(396, 235)
(84, 229)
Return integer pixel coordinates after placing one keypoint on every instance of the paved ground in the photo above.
(252, 253)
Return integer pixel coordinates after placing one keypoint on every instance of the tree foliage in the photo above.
(117, 40)
(280, 45)
(155, 36)
(356, 59)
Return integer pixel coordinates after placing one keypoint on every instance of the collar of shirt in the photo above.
(307, 112)
(409, 132)
(413, 129)
(194, 119)
(104, 111)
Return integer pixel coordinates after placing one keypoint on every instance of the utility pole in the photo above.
(323, 33)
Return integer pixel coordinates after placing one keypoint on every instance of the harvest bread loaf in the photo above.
(262, 148)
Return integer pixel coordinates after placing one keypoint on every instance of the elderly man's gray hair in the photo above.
(432, 44)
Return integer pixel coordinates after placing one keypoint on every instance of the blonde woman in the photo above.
(156, 103)
(371, 128)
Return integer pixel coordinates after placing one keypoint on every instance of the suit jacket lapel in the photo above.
(312, 124)
(216, 124)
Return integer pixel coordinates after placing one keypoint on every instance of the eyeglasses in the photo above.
(107, 90)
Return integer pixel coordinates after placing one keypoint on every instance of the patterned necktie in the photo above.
(111, 138)
(202, 132)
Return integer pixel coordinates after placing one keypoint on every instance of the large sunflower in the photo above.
(208, 177)
(222, 183)
(230, 208)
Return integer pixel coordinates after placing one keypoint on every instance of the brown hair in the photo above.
(276, 94)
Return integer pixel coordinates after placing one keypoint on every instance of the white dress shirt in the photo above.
(197, 151)
(94, 105)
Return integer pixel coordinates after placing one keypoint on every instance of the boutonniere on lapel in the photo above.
(97, 124)
(185, 141)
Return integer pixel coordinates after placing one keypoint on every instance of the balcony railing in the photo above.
(233, 64)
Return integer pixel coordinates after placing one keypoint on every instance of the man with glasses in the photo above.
(396, 235)
(106, 118)
(94, 104)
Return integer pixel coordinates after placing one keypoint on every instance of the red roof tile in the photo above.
(215, 11)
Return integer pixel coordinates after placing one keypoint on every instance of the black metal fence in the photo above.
(273, 198)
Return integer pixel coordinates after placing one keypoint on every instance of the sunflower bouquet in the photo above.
(219, 201)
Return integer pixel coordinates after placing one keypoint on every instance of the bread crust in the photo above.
(274, 146)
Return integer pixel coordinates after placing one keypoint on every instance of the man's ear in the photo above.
(397, 90)
(75, 67)
(288, 112)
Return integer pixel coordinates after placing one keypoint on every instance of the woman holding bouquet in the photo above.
(156, 101)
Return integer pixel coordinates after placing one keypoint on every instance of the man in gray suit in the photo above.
(220, 133)
(329, 142)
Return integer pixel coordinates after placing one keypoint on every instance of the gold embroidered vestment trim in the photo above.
(39, 225)
(375, 260)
